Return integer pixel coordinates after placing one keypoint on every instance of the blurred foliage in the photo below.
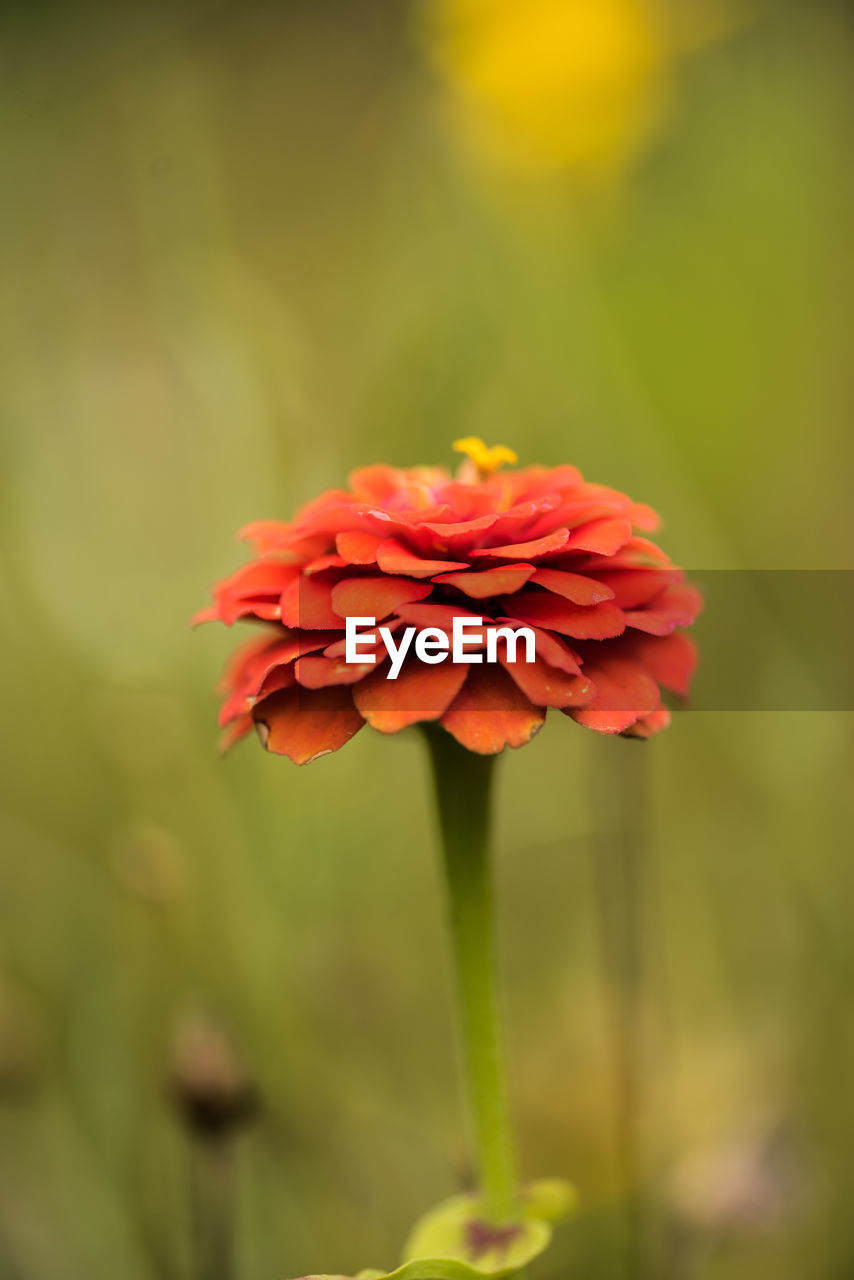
(242, 252)
(577, 85)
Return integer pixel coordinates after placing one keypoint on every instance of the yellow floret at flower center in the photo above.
(484, 457)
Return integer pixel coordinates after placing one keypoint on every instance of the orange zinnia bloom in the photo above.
(535, 547)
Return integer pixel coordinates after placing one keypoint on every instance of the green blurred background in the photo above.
(246, 247)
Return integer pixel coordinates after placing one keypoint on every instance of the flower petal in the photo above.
(527, 550)
(625, 693)
(338, 649)
(546, 686)
(329, 561)
(643, 516)
(209, 614)
(378, 483)
(303, 724)
(633, 588)
(649, 725)
(637, 553)
(678, 607)
(354, 517)
(490, 582)
(278, 678)
(255, 588)
(307, 603)
(286, 540)
(593, 622)
(605, 537)
(251, 664)
(236, 730)
(571, 514)
(358, 548)
(573, 586)
(420, 692)
(671, 660)
(552, 648)
(435, 615)
(243, 698)
(375, 597)
(317, 671)
(455, 536)
(393, 556)
(535, 481)
(491, 712)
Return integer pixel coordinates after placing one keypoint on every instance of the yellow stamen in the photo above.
(484, 459)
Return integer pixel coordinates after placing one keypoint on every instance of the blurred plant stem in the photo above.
(212, 1207)
(620, 792)
(214, 1099)
(463, 791)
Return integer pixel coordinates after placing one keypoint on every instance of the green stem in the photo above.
(463, 788)
(619, 850)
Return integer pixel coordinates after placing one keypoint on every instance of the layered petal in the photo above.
(254, 590)
(548, 686)
(533, 547)
(670, 660)
(593, 622)
(676, 607)
(393, 556)
(625, 693)
(420, 692)
(480, 585)
(649, 725)
(578, 588)
(605, 537)
(358, 548)
(307, 605)
(526, 550)
(304, 724)
(375, 597)
(491, 712)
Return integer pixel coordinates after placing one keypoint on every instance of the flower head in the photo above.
(535, 547)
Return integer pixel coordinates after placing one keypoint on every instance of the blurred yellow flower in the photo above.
(565, 85)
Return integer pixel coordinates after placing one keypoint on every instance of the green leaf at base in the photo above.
(459, 1230)
(455, 1241)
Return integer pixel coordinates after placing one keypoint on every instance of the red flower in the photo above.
(534, 547)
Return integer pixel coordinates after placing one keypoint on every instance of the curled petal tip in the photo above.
(209, 614)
